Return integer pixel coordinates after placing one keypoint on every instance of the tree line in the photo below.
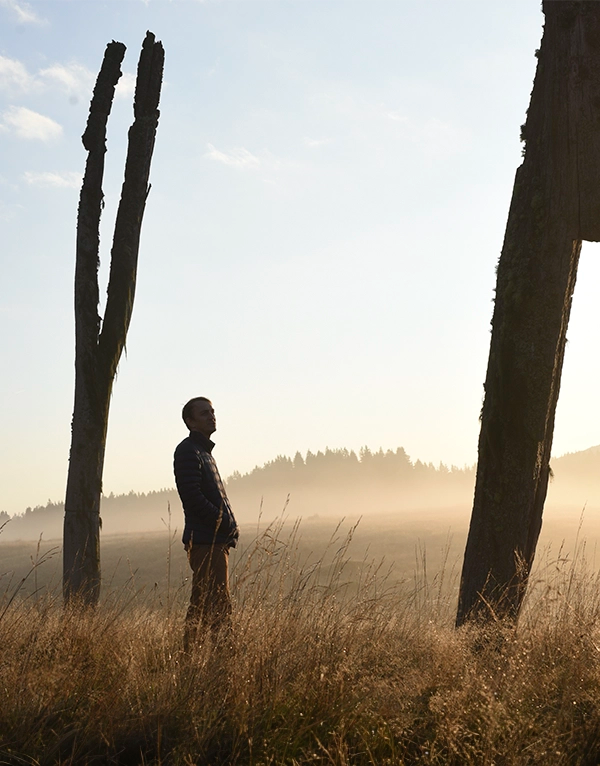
(329, 468)
(336, 466)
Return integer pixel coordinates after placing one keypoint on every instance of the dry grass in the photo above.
(318, 671)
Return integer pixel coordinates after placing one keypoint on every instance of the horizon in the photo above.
(236, 475)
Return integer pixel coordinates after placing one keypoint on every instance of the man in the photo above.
(210, 527)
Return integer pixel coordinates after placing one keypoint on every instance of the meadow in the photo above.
(343, 651)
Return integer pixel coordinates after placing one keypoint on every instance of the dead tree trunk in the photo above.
(98, 345)
(555, 205)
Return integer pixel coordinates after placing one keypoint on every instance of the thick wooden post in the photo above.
(555, 205)
(97, 351)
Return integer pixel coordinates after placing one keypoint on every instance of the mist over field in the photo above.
(332, 484)
(408, 515)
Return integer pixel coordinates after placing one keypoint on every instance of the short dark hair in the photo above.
(187, 412)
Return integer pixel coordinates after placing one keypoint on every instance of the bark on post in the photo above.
(555, 205)
(98, 345)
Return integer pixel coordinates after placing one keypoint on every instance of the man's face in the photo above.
(204, 419)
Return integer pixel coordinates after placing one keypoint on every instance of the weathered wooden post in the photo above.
(555, 205)
(98, 346)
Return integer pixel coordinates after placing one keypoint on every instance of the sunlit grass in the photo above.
(321, 668)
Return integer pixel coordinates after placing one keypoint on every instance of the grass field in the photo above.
(429, 539)
(334, 659)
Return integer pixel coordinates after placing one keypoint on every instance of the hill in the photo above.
(330, 483)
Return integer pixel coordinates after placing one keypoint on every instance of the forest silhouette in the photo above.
(333, 482)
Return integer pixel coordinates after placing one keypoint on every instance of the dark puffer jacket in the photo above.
(208, 515)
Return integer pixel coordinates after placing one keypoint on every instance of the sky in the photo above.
(330, 186)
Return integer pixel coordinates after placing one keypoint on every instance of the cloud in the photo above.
(22, 11)
(30, 125)
(13, 75)
(126, 85)
(313, 143)
(75, 79)
(397, 116)
(64, 180)
(284, 173)
(9, 212)
(236, 158)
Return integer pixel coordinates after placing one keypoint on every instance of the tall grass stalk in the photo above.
(321, 668)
